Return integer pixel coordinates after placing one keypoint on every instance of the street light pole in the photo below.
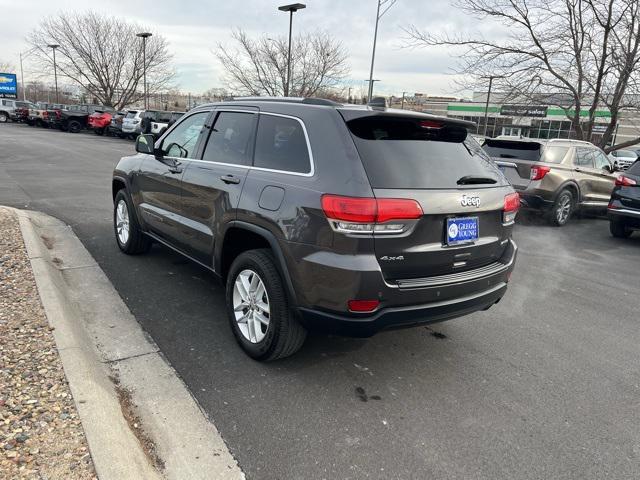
(403, 93)
(294, 7)
(486, 107)
(371, 82)
(381, 3)
(53, 46)
(144, 36)
(24, 90)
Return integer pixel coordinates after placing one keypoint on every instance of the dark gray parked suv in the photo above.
(349, 219)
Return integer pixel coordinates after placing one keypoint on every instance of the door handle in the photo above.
(577, 169)
(230, 179)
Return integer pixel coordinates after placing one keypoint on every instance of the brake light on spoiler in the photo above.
(369, 215)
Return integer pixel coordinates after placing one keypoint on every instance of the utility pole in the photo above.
(403, 93)
(53, 46)
(349, 98)
(381, 3)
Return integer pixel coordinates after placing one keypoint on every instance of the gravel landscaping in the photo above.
(41, 436)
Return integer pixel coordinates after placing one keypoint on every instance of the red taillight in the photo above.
(370, 210)
(349, 209)
(511, 206)
(397, 209)
(538, 172)
(623, 181)
(363, 305)
(512, 202)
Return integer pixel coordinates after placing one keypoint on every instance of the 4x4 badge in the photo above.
(470, 201)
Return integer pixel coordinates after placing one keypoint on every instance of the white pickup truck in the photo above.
(163, 121)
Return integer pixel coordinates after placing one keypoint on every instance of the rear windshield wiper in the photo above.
(474, 180)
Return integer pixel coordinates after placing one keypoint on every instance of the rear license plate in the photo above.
(462, 230)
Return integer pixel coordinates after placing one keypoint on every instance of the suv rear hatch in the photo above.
(516, 157)
(429, 160)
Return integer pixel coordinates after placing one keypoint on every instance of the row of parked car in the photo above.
(100, 119)
(561, 177)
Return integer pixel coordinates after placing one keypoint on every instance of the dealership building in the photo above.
(533, 121)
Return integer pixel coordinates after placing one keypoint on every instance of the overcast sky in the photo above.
(194, 27)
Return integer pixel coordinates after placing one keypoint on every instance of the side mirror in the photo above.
(144, 144)
(608, 168)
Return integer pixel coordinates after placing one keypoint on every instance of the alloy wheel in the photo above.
(251, 306)
(122, 222)
(564, 209)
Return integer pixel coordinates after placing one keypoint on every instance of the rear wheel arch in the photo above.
(572, 187)
(239, 237)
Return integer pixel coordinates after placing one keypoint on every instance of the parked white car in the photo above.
(132, 123)
(623, 158)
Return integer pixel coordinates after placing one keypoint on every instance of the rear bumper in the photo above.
(534, 202)
(415, 302)
(390, 318)
(629, 216)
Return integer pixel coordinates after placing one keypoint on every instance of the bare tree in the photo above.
(6, 67)
(259, 67)
(103, 55)
(578, 55)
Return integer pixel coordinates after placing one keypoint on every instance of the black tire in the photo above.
(618, 229)
(4, 117)
(74, 126)
(559, 215)
(284, 335)
(137, 242)
(99, 131)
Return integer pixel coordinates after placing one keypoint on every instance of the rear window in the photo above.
(509, 149)
(404, 152)
(131, 114)
(634, 169)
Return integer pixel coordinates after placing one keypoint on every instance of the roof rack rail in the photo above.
(305, 100)
(584, 142)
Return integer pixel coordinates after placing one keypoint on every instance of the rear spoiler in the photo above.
(352, 114)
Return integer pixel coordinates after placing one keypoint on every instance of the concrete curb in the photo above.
(98, 340)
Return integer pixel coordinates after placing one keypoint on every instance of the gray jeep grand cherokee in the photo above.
(344, 218)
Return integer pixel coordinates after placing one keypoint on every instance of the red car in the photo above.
(99, 121)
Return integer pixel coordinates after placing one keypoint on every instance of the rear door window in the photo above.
(634, 169)
(281, 144)
(584, 157)
(231, 139)
(405, 152)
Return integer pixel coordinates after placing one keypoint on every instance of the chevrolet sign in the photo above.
(8, 85)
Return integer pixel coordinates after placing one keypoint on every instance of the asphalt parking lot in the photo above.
(545, 384)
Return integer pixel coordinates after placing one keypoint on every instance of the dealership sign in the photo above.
(524, 110)
(8, 85)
